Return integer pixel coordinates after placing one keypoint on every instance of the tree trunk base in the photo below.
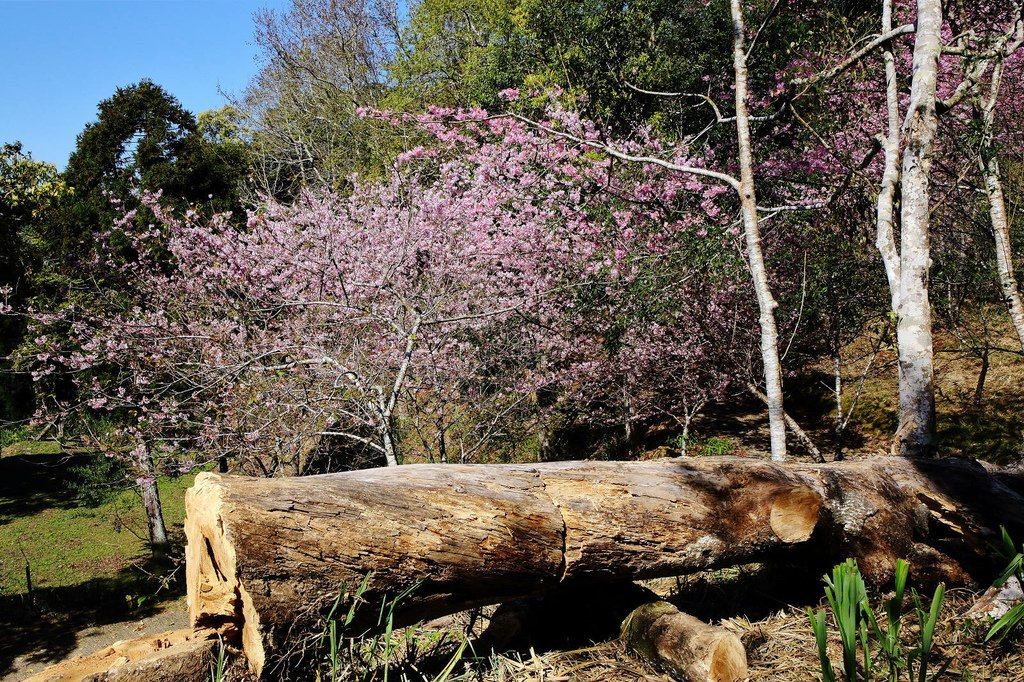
(176, 656)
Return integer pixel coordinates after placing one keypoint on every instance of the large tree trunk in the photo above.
(916, 434)
(752, 232)
(266, 558)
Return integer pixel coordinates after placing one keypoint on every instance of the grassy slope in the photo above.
(991, 429)
(90, 563)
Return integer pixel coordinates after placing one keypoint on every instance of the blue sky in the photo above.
(60, 58)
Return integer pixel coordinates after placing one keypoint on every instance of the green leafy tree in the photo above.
(615, 61)
(322, 61)
(143, 139)
(28, 191)
(459, 52)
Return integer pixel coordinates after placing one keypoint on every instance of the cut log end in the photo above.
(683, 646)
(216, 598)
(795, 513)
(728, 660)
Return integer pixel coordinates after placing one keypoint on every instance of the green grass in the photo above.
(67, 546)
(65, 541)
(88, 553)
(32, 447)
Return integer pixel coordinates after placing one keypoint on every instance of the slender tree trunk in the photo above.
(916, 435)
(542, 426)
(885, 238)
(158, 542)
(988, 162)
(980, 387)
(442, 444)
(387, 406)
(837, 453)
(627, 420)
(387, 439)
(1004, 251)
(748, 204)
(686, 433)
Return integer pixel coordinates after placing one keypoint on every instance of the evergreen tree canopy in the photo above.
(142, 140)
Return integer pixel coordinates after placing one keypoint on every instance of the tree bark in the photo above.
(885, 237)
(158, 542)
(916, 434)
(683, 646)
(752, 232)
(266, 558)
(988, 162)
(979, 388)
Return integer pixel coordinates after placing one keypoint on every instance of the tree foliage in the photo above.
(356, 311)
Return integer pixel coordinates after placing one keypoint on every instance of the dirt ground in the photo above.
(172, 616)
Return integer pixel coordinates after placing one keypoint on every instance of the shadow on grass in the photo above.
(31, 483)
(991, 431)
(48, 628)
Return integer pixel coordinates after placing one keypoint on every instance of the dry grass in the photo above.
(991, 427)
(780, 648)
(602, 662)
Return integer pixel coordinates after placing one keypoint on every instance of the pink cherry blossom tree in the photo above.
(445, 294)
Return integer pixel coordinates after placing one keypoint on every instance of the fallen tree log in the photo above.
(686, 648)
(266, 558)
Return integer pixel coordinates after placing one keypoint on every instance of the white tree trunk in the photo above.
(389, 440)
(387, 437)
(916, 435)
(885, 238)
(758, 272)
(988, 162)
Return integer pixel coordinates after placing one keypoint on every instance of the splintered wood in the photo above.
(178, 656)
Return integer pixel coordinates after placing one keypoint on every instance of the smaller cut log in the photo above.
(686, 648)
(178, 656)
